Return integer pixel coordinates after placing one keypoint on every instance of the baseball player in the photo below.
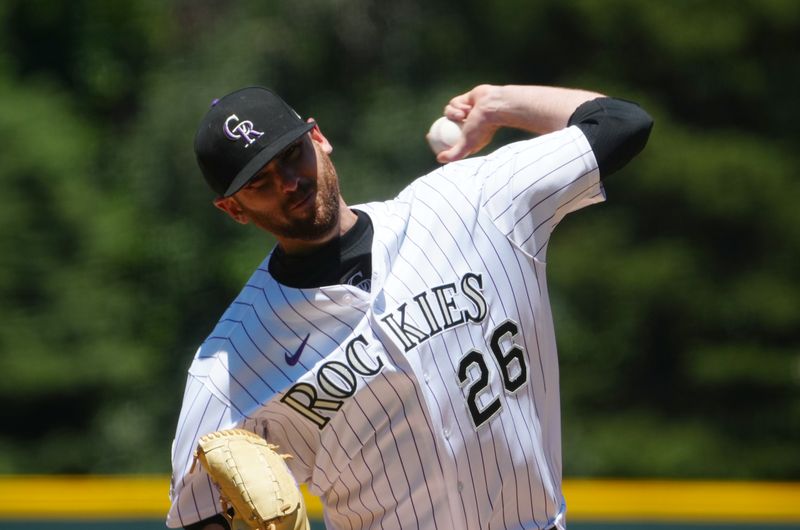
(402, 352)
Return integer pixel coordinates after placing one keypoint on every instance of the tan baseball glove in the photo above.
(253, 480)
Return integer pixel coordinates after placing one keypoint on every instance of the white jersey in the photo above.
(431, 401)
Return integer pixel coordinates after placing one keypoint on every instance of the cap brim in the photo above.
(265, 156)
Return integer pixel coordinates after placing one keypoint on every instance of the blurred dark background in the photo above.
(677, 302)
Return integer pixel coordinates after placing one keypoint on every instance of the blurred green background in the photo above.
(677, 303)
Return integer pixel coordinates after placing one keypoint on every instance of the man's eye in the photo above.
(257, 182)
(291, 152)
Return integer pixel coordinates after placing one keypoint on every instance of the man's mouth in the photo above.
(304, 200)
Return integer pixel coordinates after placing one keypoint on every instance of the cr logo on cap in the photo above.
(243, 129)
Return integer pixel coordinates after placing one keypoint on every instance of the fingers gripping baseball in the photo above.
(474, 110)
(253, 480)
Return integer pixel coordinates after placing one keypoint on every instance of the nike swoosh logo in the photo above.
(291, 360)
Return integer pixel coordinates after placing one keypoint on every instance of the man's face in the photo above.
(295, 196)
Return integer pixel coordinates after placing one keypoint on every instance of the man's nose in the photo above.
(289, 180)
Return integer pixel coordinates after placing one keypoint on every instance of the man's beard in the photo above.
(322, 219)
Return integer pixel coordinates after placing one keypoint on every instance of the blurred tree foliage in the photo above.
(677, 303)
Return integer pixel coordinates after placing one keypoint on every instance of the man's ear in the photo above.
(318, 137)
(232, 208)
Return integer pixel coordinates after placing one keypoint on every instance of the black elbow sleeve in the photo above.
(217, 519)
(616, 129)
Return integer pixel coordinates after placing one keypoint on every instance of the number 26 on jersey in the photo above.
(473, 372)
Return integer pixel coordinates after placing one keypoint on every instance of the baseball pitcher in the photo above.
(398, 357)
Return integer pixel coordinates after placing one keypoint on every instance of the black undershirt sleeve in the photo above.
(616, 129)
(219, 519)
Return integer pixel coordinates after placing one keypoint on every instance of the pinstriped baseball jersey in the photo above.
(431, 401)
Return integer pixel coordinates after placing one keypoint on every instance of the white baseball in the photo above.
(443, 134)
